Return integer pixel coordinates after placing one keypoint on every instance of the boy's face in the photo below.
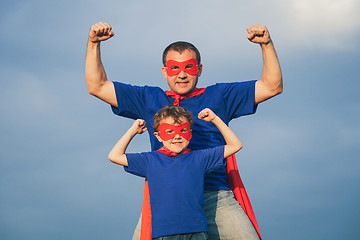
(174, 136)
(184, 81)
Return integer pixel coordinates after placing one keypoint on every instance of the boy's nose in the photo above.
(177, 136)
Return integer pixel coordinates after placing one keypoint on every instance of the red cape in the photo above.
(235, 184)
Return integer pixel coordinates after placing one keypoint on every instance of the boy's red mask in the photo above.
(189, 66)
(183, 130)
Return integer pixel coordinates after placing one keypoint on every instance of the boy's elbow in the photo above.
(118, 159)
(111, 158)
(239, 147)
(236, 147)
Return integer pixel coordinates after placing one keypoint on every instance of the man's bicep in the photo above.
(262, 93)
(107, 93)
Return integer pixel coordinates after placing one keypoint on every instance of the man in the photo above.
(182, 68)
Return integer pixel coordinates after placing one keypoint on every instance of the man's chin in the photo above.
(183, 92)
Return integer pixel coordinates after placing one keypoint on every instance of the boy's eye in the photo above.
(184, 130)
(189, 66)
(174, 67)
(169, 131)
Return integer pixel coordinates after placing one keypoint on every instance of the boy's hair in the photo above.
(181, 46)
(172, 111)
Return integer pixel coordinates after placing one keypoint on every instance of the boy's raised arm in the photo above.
(117, 154)
(233, 144)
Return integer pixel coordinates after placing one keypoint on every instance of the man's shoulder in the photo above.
(229, 88)
(128, 85)
(229, 84)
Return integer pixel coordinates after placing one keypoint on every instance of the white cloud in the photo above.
(322, 23)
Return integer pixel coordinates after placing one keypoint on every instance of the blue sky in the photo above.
(300, 158)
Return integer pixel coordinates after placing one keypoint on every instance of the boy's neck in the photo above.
(170, 153)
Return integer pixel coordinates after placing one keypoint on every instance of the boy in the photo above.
(176, 174)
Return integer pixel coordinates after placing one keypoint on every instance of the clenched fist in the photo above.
(100, 32)
(207, 115)
(258, 34)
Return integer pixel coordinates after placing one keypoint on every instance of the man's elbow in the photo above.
(95, 89)
(279, 89)
(281, 86)
(92, 91)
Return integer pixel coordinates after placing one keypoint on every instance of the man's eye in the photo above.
(189, 66)
(174, 67)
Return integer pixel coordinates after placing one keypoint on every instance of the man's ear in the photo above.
(158, 136)
(163, 69)
(200, 70)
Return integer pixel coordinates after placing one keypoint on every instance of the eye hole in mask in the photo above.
(168, 131)
(190, 66)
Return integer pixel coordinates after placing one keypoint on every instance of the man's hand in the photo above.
(258, 34)
(100, 32)
(139, 126)
(207, 115)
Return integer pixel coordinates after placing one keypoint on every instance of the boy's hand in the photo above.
(139, 126)
(207, 115)
(100, 32)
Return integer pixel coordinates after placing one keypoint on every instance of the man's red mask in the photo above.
(190, 66)
(168, 131)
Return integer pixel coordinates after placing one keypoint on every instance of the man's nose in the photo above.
(182, 74)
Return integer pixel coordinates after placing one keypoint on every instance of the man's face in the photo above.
(174, 136)
(181, 83)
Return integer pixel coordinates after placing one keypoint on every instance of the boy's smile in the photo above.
(175, 137)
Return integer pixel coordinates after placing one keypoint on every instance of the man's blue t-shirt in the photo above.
(227, 100)
(176, 187)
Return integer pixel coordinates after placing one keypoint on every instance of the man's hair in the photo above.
(181, 46)
(172, 111)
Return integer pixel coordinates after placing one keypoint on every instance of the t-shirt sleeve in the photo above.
(130, 100)
(137, 163)
(213, 158)
(239, 98)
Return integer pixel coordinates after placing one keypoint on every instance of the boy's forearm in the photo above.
(233, 144)
(117, 154)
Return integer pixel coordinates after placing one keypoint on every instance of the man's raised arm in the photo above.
(96, 80)
(271, 83)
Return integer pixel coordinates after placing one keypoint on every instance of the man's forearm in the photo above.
(271, 75)
(94, 70)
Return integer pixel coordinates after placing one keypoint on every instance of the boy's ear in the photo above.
(158, 136)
